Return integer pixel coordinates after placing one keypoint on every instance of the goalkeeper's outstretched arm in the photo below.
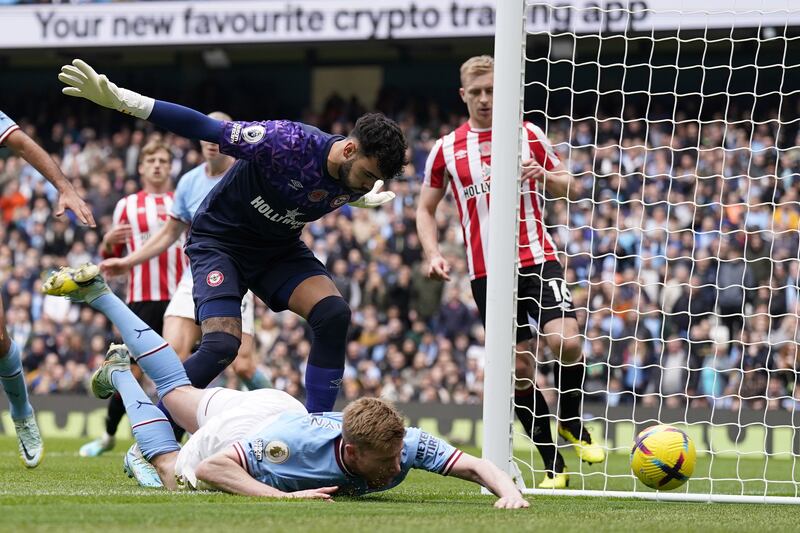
(82, 81)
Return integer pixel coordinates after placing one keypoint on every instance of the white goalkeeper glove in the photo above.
(84, 82)
(374, 198)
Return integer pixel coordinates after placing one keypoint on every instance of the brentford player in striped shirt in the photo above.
(152, 283)
(136, 217)
(462, 160)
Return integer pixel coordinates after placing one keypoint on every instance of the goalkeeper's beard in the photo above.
(344, 173)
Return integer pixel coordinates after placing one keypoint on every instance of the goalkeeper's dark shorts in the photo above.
(542, 296)
(272, 273)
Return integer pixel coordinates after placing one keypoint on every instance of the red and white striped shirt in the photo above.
(157, 278)
(464, 158)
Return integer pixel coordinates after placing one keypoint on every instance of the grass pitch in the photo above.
(70, 493)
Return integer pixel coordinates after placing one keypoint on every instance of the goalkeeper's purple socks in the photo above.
(151, 429)
(322, 387)
(149, 349)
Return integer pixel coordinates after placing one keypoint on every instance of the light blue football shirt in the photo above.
(304, 451)
(6, 126)
(192, 189)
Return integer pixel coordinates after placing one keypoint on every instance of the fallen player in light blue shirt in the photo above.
(263, 442)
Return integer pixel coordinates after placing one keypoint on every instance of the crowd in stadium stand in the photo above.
(682, 256)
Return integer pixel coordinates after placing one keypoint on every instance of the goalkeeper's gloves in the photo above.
(84, 82)
(374, 198)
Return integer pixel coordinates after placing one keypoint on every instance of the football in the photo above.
(663, 457)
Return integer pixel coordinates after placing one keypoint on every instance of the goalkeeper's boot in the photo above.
(81, 284)
(577, 435)
(117, 358)
(98, 446)
(137, 467)
(31, 449)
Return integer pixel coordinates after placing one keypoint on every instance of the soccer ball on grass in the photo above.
(663, 457)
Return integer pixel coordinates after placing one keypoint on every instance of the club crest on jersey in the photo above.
(215, 278)
(235, 132)
(485, 148)
(277, 451)
(253, 134)
(317, 195)
(339, 201)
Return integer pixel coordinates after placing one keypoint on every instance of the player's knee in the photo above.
(523, 367)
(5, 343)
(330, 318)
(221, 343)
(571, 350)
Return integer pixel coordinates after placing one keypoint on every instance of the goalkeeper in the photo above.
(246, 234)
(263, 442)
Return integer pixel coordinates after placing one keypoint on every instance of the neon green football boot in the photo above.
(554, 481)
(581, 440)
(81, 284)
(555, 478)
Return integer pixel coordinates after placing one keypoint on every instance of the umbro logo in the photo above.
(336, 383)
(461, 154)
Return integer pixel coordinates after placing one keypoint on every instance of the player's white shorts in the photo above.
(182, 304)
(225, 416)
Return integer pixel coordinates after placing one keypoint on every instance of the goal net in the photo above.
(678, 122)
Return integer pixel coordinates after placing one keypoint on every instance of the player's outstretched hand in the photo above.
(84, 82)
(512, 502)
(374, 198)
(69, 199)
(439, 268)
(322, 493)
(532, 170)
(118, 234)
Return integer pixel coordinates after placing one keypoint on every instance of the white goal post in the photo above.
(679, 121)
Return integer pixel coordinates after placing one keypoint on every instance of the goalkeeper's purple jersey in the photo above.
(280, 183)
(304, 451)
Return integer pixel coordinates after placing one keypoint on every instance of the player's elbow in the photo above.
(426, 216)
(208, 471)
(204, 471)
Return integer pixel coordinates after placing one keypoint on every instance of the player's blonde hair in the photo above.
(372, 423)
(476, 66)
(153, 147)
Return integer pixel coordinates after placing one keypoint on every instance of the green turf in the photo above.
(68, 493)
(730, 475)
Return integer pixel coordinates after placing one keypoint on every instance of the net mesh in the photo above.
(679, 239)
